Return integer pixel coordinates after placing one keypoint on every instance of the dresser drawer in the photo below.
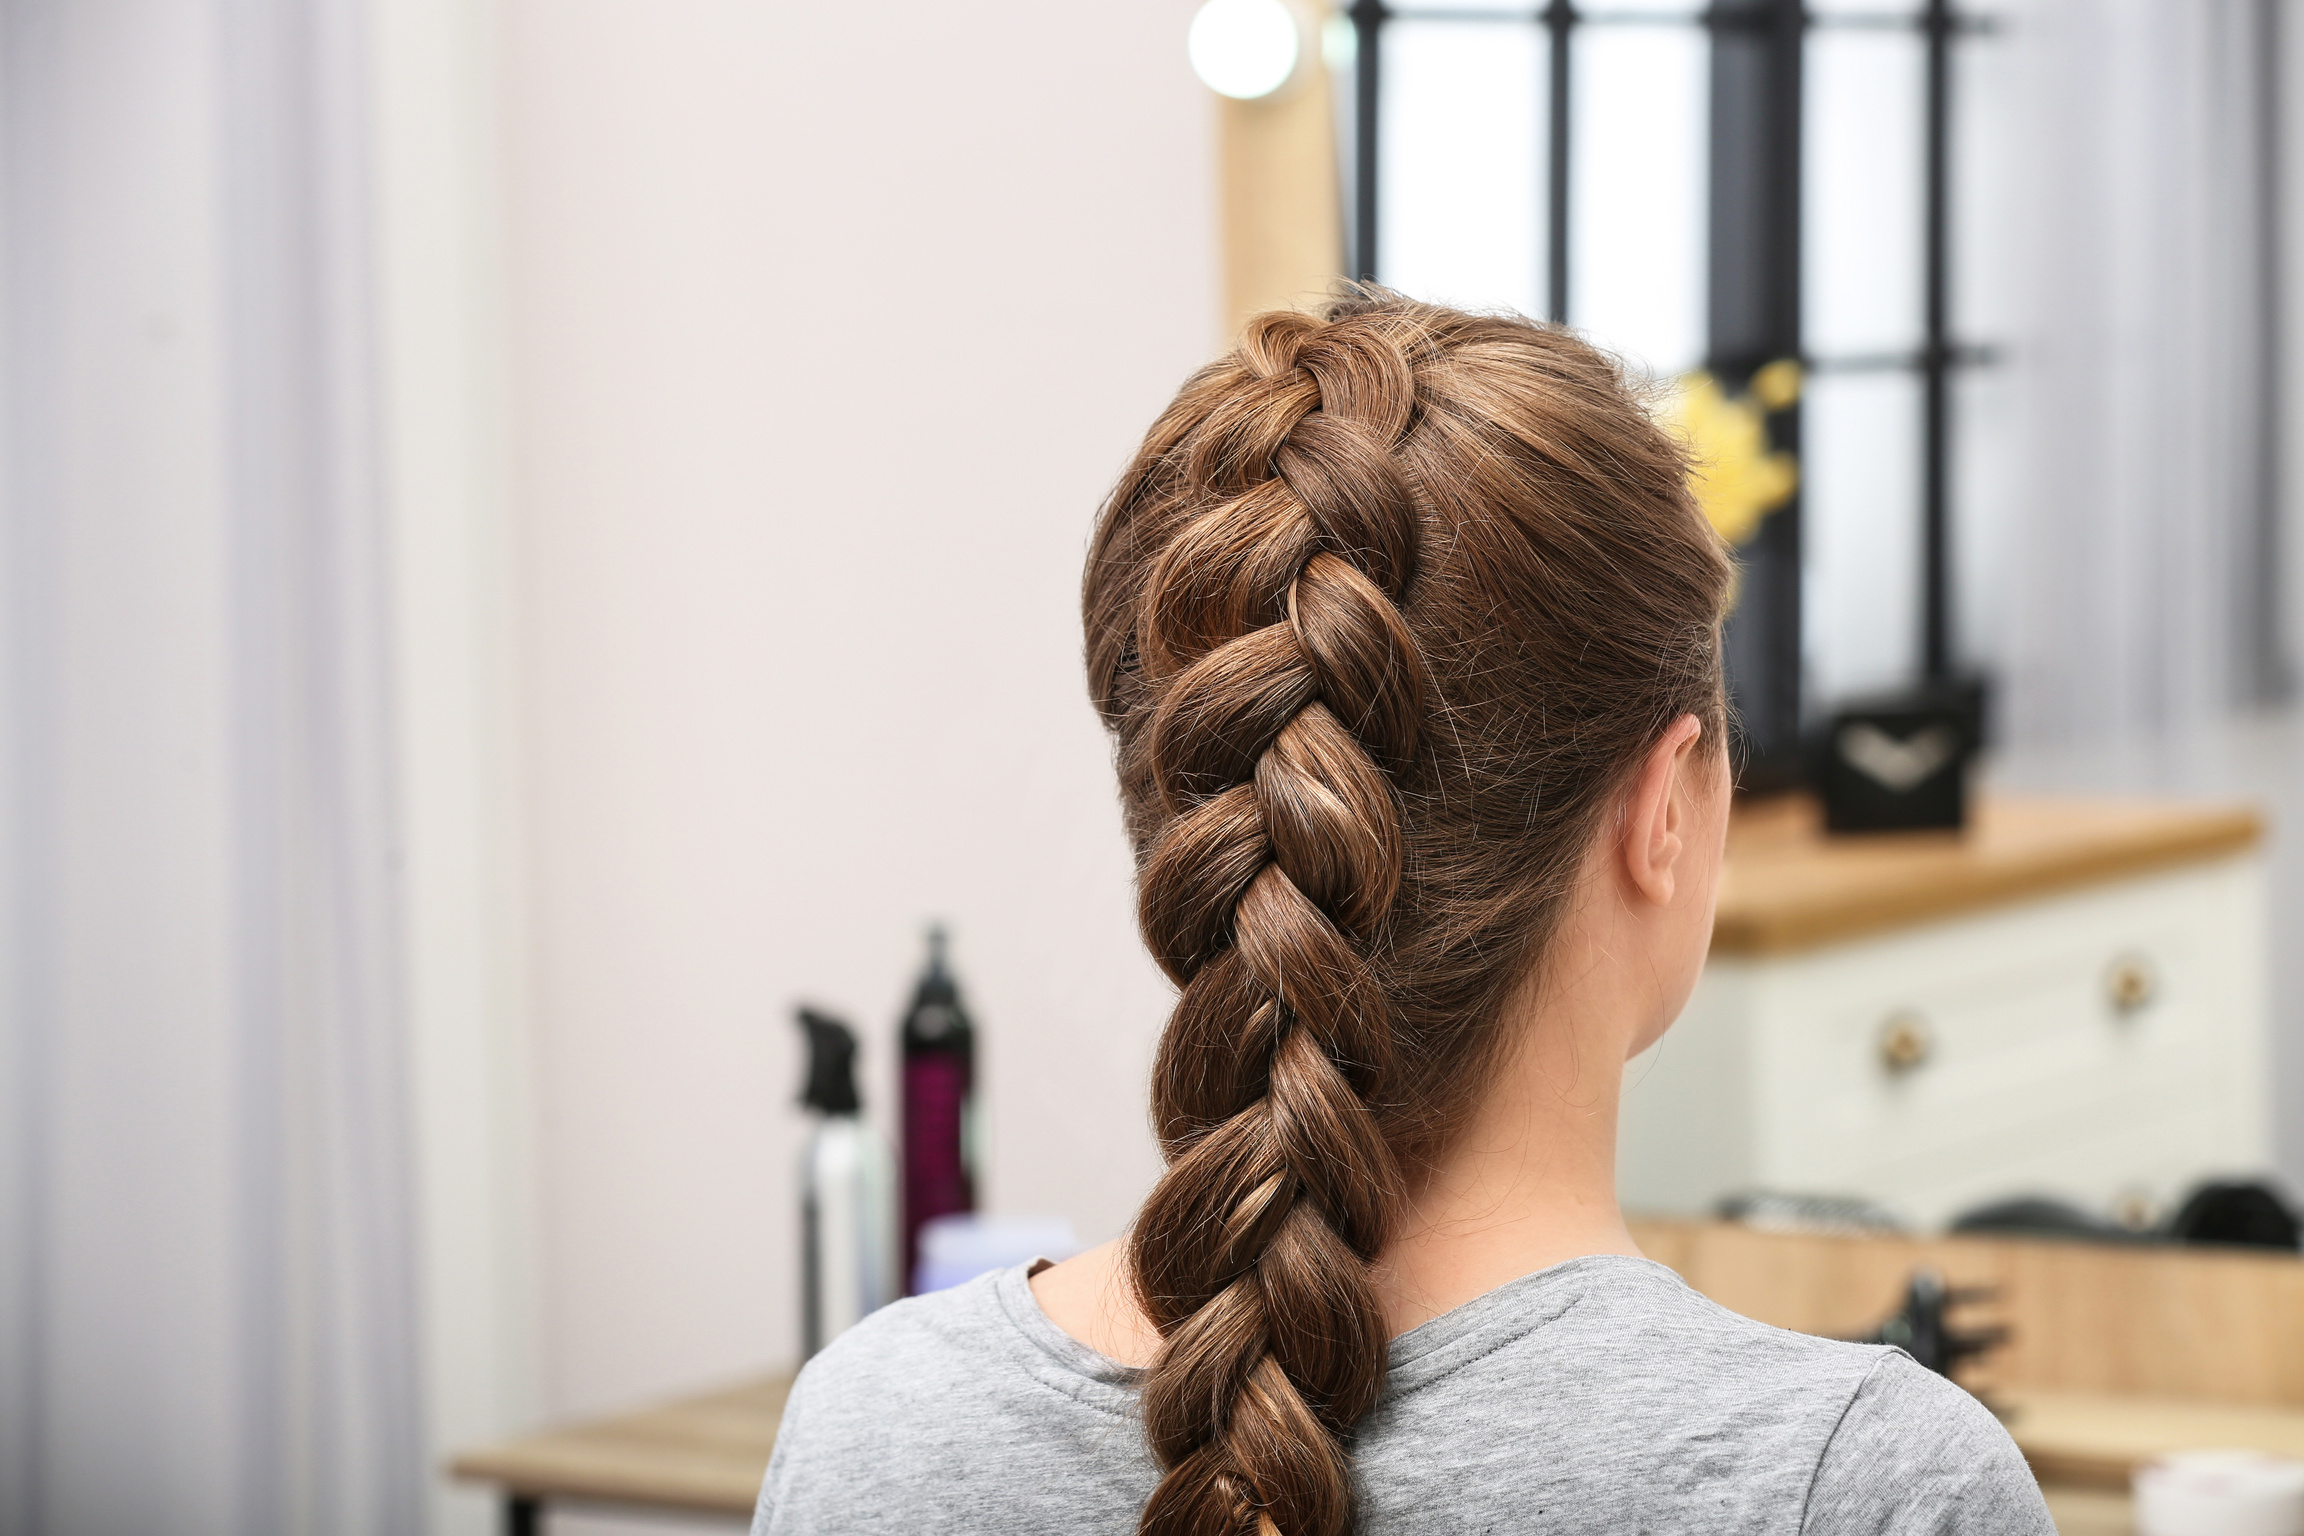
(2095, 1046)
(1901, 1054)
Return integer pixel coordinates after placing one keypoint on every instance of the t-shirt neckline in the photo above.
(1424, 1354)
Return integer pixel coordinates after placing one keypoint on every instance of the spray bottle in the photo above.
(939, 1046)
(845, 1259)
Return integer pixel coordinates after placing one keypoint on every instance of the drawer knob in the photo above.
(2130, 985)
(1905, 1042)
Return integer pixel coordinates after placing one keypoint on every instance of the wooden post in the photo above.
(1283, 225)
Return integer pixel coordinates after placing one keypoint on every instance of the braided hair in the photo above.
(1386, 606)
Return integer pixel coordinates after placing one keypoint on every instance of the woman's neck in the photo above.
(1529, 1182)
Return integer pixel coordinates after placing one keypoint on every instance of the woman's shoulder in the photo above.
(1658, 1408)
(1904, 1449)
(887, 1356)
(1914, 1452)
(960, 1410)
(1650, 1323)
(1610, 1344)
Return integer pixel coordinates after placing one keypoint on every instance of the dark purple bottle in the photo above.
(939, 1050)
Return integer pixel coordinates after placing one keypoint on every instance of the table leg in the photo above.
(523, 1515)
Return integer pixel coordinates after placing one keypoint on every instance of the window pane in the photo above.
(1986, 508)
(1604, 11)
(1637, 190)
(1864, 192)
(1496, 7)
(1904, 9)
(1989, 99)
(1462, 162)
(1987, 461)
(1860, 527)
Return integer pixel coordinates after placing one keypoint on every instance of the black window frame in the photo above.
(1753, 285)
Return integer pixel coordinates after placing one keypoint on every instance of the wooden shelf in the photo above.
(1789, 887)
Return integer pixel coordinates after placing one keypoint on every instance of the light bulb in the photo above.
(1244, 48)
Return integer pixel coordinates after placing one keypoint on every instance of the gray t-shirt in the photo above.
(1598, 1396)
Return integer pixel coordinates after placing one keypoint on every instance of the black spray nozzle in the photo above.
(831, 1065)
(937, 1017)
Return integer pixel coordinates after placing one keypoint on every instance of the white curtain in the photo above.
(205, 1299)
(2128, 511)
(2139, 606)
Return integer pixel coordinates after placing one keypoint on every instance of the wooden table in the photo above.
(698, 1455)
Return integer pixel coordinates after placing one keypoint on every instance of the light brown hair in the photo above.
(1382, 614)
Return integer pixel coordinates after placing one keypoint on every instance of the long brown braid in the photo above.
(1381, 613)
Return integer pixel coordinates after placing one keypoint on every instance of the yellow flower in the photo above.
(1737, 478)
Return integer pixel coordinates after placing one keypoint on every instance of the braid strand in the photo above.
(1287, 684)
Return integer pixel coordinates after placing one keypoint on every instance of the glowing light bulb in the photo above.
(1244, 48)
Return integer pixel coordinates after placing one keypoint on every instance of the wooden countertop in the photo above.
(1788, 887)
(2089, 1511)
(2101, 1320)
(2085, 1439)
(703, 1454)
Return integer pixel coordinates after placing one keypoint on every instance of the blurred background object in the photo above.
(1923, 1327)
(538, 534)
(1899, 764)
(2247, 1214)
(1275, 131)
(956, 1249)
(2220, 1493)
(1767, 1211)
(939, 1107)
(847, 1216)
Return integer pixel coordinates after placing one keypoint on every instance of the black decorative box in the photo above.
(1899, 764)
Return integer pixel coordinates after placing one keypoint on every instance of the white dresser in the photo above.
(2069, 999)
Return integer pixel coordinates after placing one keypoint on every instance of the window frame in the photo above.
(1753, 284)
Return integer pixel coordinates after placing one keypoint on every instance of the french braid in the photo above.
(1311, 563)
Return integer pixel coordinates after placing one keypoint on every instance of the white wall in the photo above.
(830, 325)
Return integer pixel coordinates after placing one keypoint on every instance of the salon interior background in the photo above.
(539, 534)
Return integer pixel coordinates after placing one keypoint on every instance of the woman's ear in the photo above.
(1658, 813)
